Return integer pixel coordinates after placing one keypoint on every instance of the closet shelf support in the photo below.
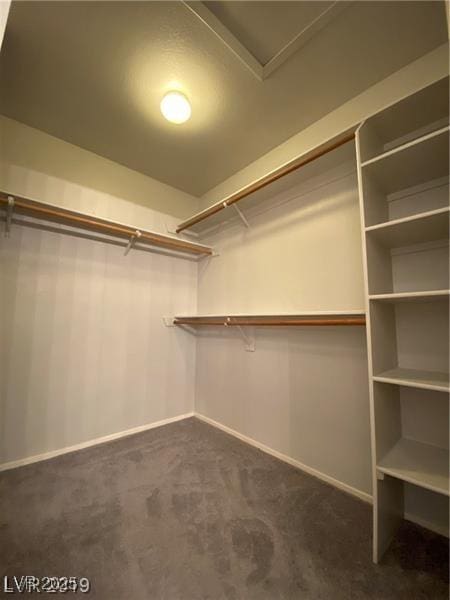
(9, 214)
(241, 216)
(133, 240)
(248, 341)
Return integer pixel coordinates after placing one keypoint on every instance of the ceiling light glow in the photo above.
(175, 107)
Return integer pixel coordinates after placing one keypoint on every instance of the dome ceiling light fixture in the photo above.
(175, 107)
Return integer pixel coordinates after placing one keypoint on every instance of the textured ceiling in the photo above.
(93, 73)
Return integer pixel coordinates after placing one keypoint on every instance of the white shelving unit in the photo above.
(403, 178)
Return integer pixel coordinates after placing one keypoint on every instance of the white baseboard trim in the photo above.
(287, 459)
(101, 440)
(331, 480)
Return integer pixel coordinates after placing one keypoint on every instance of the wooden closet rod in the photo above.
(265, 181)
(56, 214)
(275, 321)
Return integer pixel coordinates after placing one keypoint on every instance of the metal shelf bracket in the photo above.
(241, 216)
(239, 213)
(249, 341)
(9, 213)
(133, 240)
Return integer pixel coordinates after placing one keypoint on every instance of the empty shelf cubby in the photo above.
(412, 436)
(410, 180)
(409, 254)
(410, 342)
(415, 116)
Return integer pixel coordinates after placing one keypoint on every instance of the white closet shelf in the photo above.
(279, 180)
(424, 227)
(45, 212)
(426, 296)
(417, 463)
(325, 318)
(426, 380)
(413, 163)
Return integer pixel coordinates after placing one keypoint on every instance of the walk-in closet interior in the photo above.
(224, 299)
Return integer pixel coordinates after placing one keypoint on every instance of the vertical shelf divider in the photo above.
(387, 504)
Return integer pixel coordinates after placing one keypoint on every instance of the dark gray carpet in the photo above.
(186, 512)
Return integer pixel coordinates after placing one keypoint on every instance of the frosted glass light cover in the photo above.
(175, 107)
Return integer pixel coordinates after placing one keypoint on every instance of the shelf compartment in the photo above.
(410, 336)
(420, 113)
(426, 380)
(411, 163)
(419, 268)
(418, 463)
(424, 227)
(382, 208)
(408, 180)
(409, 255)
